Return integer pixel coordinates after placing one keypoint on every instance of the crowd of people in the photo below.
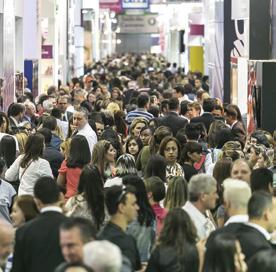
(134, 167)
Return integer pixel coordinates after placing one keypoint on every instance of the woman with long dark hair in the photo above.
(70, 169)
(8, 150)
(143, 229)
(30, 166)
(224, 254)
(176, 247)
(89, 202)
(191, 154)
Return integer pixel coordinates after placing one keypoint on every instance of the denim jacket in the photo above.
(144, 236)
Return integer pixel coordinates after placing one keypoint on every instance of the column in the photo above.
(8, 53)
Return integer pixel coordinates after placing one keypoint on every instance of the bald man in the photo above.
(6, 242)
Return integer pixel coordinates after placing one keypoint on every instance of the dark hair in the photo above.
(87, 229)
(164, 143)
(8, 149)
(27, 205)
(223, 136)
(91, 184)
(156, 166)
(222, 171)
(258, 203)
(49, 122)
(46, 190)
(184, 107)
(33, 149)
(260, 137)
(75, 157)
(190, 147)
(208, 104)
(138, 142)
(115, 195)
(157, 187)
(164, 104)
(231, 111)
(142, 100)
(15, 109)
(179, 89)
(47, 134)
(56, 113)
(260, 179)
(112, 136)
(193, 131)
(264, 260)
(220, 254)
(147, 127)
(3, 116)
(173, 103)
(181, 137)
(154, 110)
(145, 214)
(159, 134)
(179, 233)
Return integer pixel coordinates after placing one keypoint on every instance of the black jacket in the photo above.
(37, 244)
(173, 121)
(206, 119)
(164, 259)
(252, 241)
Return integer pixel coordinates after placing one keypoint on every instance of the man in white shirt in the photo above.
(82, 127)
(202, 194)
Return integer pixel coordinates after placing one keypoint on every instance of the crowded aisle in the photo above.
(134, 167)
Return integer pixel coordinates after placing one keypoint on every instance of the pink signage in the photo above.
(113, 5)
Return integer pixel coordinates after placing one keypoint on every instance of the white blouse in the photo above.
(37, 169)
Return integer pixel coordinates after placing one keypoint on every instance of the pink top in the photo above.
(72, 176)
(160, 214)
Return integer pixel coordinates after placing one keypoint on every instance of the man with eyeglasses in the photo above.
(82, 127)
(123, 209)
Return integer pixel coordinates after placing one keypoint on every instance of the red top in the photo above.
(72, 176)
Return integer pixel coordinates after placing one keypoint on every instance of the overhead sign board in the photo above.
(182, 1)
(138, 23)
(135, 4)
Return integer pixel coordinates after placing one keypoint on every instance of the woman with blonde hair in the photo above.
(136, 125)
(177, 193)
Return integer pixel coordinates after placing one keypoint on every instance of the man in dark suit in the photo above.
(172, 118)
(62, 105)
(51, 154)
(37, 241)
(255, 235)
(237, 127)
(236, 195)
(207, 117)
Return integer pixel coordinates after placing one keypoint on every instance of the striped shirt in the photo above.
(138, 113)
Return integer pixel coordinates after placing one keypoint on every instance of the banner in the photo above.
(138, 23)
